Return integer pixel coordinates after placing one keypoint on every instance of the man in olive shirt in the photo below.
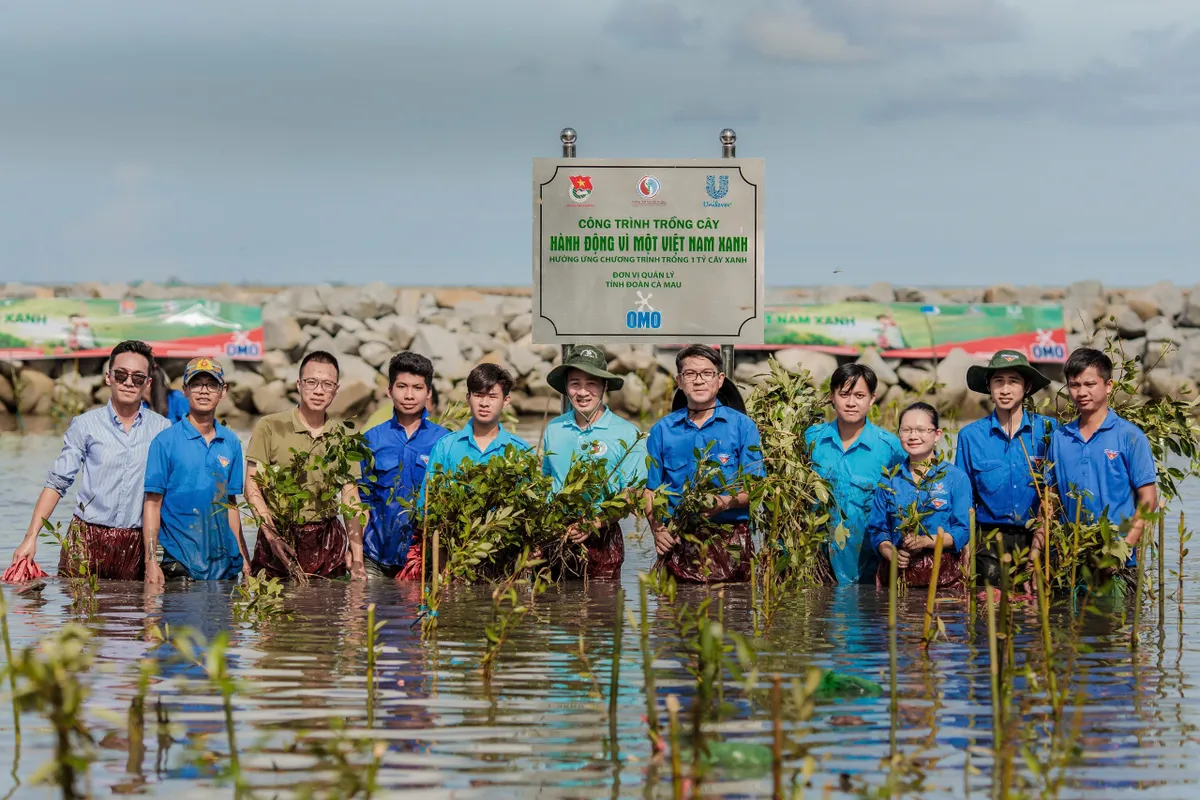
(320, 544)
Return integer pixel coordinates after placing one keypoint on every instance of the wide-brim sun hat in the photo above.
(585, 358)
(979, 376)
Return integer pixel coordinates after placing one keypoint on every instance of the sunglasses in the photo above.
(135, 378)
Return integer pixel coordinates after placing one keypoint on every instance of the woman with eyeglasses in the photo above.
(919, 501)
(106, 449)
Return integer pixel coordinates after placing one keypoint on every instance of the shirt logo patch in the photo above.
(1009, 358)
(937, 503)
(424, 459)
(224, 461)
(1112, 454)
(594, 447)
(723, 458)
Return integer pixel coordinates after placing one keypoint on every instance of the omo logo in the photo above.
(643, 316)
(240, 344)
(1046, 349)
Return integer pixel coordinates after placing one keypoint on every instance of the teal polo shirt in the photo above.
(610, 438)
(1104, 472)
(195, 479)
(453, 449)
(852, 476)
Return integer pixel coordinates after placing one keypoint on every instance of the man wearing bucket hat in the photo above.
(591, 430)
(194, 474)
(1003, 455)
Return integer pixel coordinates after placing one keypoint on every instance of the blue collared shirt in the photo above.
(730, 438)
(1001, 469)
(852, 476)
(110, 463)
(196, 480)
(616, 441)
(1107, 470)
(398, 467)
(944, 492)
(452, 450)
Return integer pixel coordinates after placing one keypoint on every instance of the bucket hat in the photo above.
(978, 377)
(585, 358)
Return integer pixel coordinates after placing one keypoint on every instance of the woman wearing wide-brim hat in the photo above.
(591, 430)
(1004, 456)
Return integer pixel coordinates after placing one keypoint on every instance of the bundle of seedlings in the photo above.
(791, 504)
(290, 493)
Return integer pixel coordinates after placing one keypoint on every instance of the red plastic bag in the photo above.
(24, 570)
(726, 558)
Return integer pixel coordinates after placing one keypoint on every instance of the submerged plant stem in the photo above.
(931, 598)
(12, 675)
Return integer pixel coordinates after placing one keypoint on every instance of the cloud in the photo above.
(794, 36)
(652, 23)
(1158, 86)
(853, 31)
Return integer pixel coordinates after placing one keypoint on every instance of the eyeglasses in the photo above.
(313, 383)
(917, 431)
(204, 388)
(124, 376)
(693, 376)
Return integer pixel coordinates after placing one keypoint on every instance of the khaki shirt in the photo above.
(274, 437)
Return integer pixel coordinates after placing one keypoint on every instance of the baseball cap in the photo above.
(198, 366)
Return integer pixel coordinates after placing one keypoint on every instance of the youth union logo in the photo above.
(648, 186)
(581, 187)
(717, 188)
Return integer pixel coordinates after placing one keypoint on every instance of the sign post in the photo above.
(728, 150)
(648, 251)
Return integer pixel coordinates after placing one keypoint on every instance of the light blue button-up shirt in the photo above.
(454, 448)
(110, 463)
(610, 438)
(852, 476)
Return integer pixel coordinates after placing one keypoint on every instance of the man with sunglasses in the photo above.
(106, 448)
(321, 543)
(718, 548)
(193, 478)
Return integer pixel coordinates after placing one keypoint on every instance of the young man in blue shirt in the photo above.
(488, 388)
(1101, 461)
(730, 438)
(851, 453)
(194, 474)
(1003, 456)
(591, 430)
(400, 447)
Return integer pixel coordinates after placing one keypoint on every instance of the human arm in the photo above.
(663, 540)
(355, 519)
(750, 461)
(43, 509)
(58, 480)
(1147, 499)
(1143, 475)
(235, 525)
(151, 522)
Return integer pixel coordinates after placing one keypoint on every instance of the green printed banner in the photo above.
(61, 327)
(913, 330)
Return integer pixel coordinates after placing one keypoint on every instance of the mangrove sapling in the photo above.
(648, 657)
(354, 761)
(11, 673)
(614, 675)
(291, 496)
(926, 639)
(373, 629)
(507, 609)
(791, 503)
(49, 681)
(210, 656)
(259, 599)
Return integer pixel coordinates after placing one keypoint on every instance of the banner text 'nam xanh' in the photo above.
(59, 327)
(913, 330)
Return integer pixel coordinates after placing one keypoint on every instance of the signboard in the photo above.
(648, 250)
(67, 328)
(909, 330)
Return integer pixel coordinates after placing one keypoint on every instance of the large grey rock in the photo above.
(372, 301)
(636, 359)
(1086, 288)
(7, 398)
(887, 376)
(835, 294)
(1160, 330)
(375, 353)
(408, 303)
(512, 307)
(277, 365)
(633, 396)
(879, 292)
(353, 398)
(1127, 322)
(1004, 293)
(820, 366)
(525, 361)
(952, 374)
(914, 378)
(1083, 305)
(1143, 304)
(441, 346)
(520, 325)
(337, 299)
(280, 330)
(400, 331)
(308, 303)
(35, 392)
(242, 384)
(751, 372)
(354, 369)
(1189, 315)
(271, 398)
(1169, 297)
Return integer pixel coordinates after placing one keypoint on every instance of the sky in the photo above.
(954, 142)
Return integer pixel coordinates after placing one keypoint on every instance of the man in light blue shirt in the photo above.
(483, 437)
(106, 447)
(590, 430)
(851, 453)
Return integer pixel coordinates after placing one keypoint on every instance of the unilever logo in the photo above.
(717, 188)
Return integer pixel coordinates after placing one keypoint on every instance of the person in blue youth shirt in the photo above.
(851, 454)
(590, 430)
(1003, 455)
(483, 437)
(706, 423)
(400, 447)
(940, 494)
(1101, 464)
(194, 474)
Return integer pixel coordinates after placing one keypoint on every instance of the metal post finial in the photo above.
(728, 143)
(568, 137)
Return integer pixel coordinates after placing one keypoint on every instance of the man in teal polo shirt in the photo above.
(590, 430)
(851, 453)
(193, 477)
(488, 388)
(1101, 461)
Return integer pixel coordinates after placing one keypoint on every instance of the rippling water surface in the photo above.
(543, 729)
